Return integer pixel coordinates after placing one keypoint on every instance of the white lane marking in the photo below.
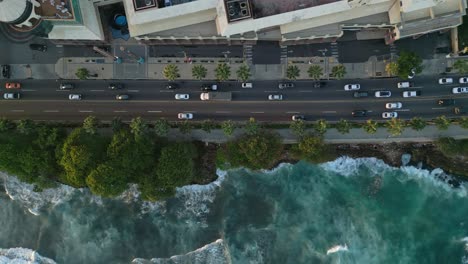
(329, 112)
(272, 91)
(154, 111)
(64, 90)
(120, 111)
(51, 111)
(306, 91)
(97, 90)
(223, 112)
(190, 111)
(133, 91)
(28, 90)
(439, 108)
(402, 110)
(86, 111)
(17, 110)
(257, 112)
(292, 112)
(166, 91)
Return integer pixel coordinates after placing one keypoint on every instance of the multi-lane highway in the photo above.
(42, 100)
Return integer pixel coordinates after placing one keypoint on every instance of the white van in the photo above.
(247, 85)
(405, 84)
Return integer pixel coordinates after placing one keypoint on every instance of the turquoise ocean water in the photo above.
(357, 210)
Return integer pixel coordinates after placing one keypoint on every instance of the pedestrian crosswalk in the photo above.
(248, 53)
(284, 54)
(334, 49)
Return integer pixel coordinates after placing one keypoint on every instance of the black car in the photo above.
(445, 102)
(318, 84)
(360, 94)
(6, 71)
(122, 97)
(38, 47)
(359, 113)
(171, 86)
(115, 86)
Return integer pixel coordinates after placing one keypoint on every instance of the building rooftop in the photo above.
(264, 8)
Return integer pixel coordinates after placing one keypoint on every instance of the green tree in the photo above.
(463, 122)
(407, 61)
(311, 148)
(461, 66)
(208, 125)
(228, 127)
(370, 126)
(292, 72)
(338, 71)
(116, 124)
(185, 127)
(82, 73)
(417, 123)
(199, 72)
(222, 72)
(161, 127)
(252, 127)
(90, 124)
(315, 72)
(138, 127)
(343, 126)
(298, 127)
(392, 68)
(6, 125)
(25, 126)
(243, 73)
(442, 123)
(395, 126)
(171, 72)
(321, 126)
(106, 181)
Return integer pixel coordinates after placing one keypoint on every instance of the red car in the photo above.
(12, 85)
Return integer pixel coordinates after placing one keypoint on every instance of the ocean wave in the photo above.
(34, 201)
(22, 256)
(214, 253)
(347, 166)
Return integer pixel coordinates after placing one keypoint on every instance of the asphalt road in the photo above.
(42, 100)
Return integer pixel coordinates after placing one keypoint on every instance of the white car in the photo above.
(74, 97)
(411, 93)
(389, 115)
(247, 85)
(9, 96)
(185, 116)
(352, 87)
(463, 80)
(182, 96)
(445, 80)
(396, 105)
(275, 97)
(405, 84)
(383, 94)
(458, 90)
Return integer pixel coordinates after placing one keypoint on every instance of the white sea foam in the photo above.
(22, 256)
(213, 253)
(337, 248)
(35, 201)
(347, 166)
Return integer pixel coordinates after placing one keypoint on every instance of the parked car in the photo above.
(11, 96)
(458, 90)
(185, 116)
(247, 85)
(463, 80)
(389, 115)
(38, 47)
(359, 113)
(412, 73)
(411, 93)
(9, 85)
(6, 71)
(396, 105)
(405, 84)
(286, 85)
(459, 110)
(74, 97)
(275, 97)
(172, 86)
(182, 96)
(445, 102)
(116, 86)
(352, 87)
(209, 87)
(360, 94)
(445, 80)
(383, 94)
(66, 86)
(122, 97)
(297, 117)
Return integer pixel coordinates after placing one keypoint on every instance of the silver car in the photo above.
(10, 96)
(383, 94)
(182, 96)
(352, 87)
(74, 97)
(185, 116)
(389, 115)
(396, 105)
(275, 97)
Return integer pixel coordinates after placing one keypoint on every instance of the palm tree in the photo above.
(90, 124)
(292, 72)
(199, 72)
(338, 71)
(298, 127)
(243, 73)
(395, 126)
(228, 127)
(343, 126)
(223, 72)
(82, 73)
(315, 72)
(370, 126)
(417, 123)
(442, 123)
(321, 126)
(171, 72)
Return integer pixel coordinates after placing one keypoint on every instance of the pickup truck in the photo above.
(216, 96)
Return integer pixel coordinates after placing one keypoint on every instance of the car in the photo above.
(66, 86)
(359, 113)
(115, 86)
(463, 80)
(247, 85)
(38, 47)
(12, 85)
(209, 87)
(286, 85)
(182, 96)
(352, 87)
(458, 90)
(405, 84)
(297, 117)
(445, 80)
(185, 116)
(459, 110)
(389, 115)
(445, 102)
(6, 71)
(319, 84)
(383, 94)
(171, 86)
(396, 105)
(10, 96)
(275, 97)
(412, 73)
(122, 97)
(74, 97)
(360, 94)
(411, 93)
